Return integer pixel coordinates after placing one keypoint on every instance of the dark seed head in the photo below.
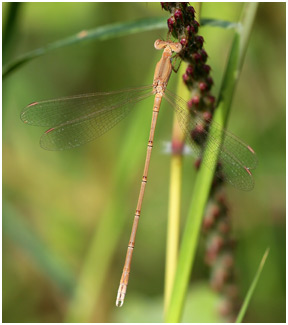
(170, 23)
(217, 243)
(206, 68)
(191, 11)
(195, 26)
(216, 211)
(207, 116)
(212, 99)
(193, 102)
(196, 57)
(184, 4)
(185, 77)
(228, 260)
(202, 86)
(189, 70)
(190, 30)
(208, 221)
(178, 15)
(167, 5)
(204, 55)
(224, 227)
(199, 40)
(198, 134)
(183, 42)
(209, 81)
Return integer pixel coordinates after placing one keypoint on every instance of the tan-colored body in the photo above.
(79, 119)
(161, 77)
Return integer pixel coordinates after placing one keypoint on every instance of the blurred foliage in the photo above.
(54, 202)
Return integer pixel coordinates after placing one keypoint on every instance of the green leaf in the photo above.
(219, 23)
(100, 33)
(10, 27)
(204, 177)
(252, 288)
(103, 33)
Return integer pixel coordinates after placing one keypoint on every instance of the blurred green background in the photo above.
(67, 216)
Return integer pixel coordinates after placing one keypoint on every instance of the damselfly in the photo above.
(75, 120)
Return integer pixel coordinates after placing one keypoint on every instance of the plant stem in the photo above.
(205, 177)
(252, 288)
(10, 27)
(173, 225)
(100, 33)
(174, 217)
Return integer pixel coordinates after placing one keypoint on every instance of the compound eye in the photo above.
(159, 44)
(177, 47)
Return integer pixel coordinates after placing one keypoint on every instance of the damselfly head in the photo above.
(175, 47)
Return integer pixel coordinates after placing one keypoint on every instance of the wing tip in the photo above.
(32, 104)
(49, 130)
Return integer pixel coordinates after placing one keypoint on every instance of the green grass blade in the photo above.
(189, 245)
(252, 288)
(100, 33)
(10, 27)
(218, 23)
(205, 177)
(103, 33)
(174, 206)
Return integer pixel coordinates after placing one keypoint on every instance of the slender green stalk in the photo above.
(173, 224)
(9, 28)
(204, 177)
(174, 217)
(252, 288)
(235, 62)
(100, 33)
(189, 245)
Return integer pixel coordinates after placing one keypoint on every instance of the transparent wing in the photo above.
(76, 120)
(235, 157)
